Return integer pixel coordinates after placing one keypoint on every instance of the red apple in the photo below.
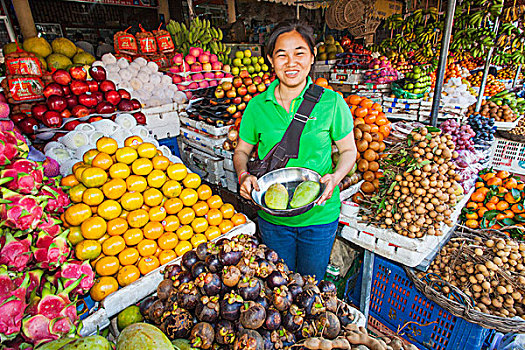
(267, 81)
(247, 98)
(56, 103)
(231, 109)
(247, 81)
(98, 73)
(105, 108)
(226, 85)
(125, 105)
(28, 125)
(92, 85)
(124, 94)
(99, 96)
(244, 74)
(53, 89)
(17, 117)
(38, 110)
(266, 76)
(112, 97)
(2, 98)
(80, 111)
(78, 73)
(237, 82)
(67, 90)
(242, 90)
(237, 100)
(231, 93)
(252, 89)
(66, 113)
(61, 77)
(140, 118)
(79, 87)
(71, 125)
(72, 101)
(52, 119)
(136, 104)
(237, 114)
(257, 79)
(106, 85)
(88, 100)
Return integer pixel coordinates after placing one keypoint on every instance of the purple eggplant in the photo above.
(249, 288)
(207, 310)
(253, 315)
(189, 259)
(273, 319)
(230, 306)
(224, 332)
(202, 336)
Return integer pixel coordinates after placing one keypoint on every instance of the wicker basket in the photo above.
(463, 306)
(354, 12)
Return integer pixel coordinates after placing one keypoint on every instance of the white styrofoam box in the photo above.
(230, 175)
(389, 244)
(228, 164)
(207, 166)
(229, 183)
(507, 125)
(94, 322)
(161, 119)
(324, 66)
(199, 146)
(223, 153)
(400, 111)
(402, 100)
(401, 105)
(347, 78)
(508, 155)
(205, 127)
(210, 141)
(164, 131)
(160, 109)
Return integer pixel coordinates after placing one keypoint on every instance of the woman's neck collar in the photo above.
(289, 93)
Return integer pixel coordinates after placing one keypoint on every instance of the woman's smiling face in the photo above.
(291, 59)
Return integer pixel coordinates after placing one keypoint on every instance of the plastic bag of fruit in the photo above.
(146, 42)
(125, 43)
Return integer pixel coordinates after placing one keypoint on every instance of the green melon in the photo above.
(37, 45)
(143, 336)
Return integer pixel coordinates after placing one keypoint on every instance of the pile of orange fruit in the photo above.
(498, 202)
(493, 85)
(453, 71)
(322, 82)
(134, 210)
(371, 128)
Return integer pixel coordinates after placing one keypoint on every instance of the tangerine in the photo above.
(177, 171)
(173, 205)
(142, 166)
(157, 213)
(171, 223)
(119, 171)
(153, 197)
(114, 188)
(128, 256)
(107, 145)
(168, 241)
(117, 226)
(153, 230)
(184, 232)
(186, 215)
(92, 196)
(215, 202)
(137, 218)
(212, 232)
(133, 236)
(148, 264)
(191, 180)
(147, 247)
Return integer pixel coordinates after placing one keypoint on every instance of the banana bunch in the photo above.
(514, 13)
(200, 34)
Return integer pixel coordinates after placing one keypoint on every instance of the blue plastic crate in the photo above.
(395, 301)
(172, 144)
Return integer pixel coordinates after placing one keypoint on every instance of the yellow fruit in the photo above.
(119, 171)
(109, 209)
(189, 197)
(184, 232)
(103, 287)
(157, 213)
(168, 241)
(171, 188)
(136, 183)
(89, 155)
(138, 218)
(77, 213)
(197, 239)
(131, 201)
(177, 171)
(93, 177)
(160, 162)
(107, 266)
(171, 223)
(192, 180)
(133, 236)
(102, 161)
(107, 145)
(133, 141)
(114, 188)
(92, 196)
(76, 193)
(153, 197)
(126, 155)
(212, 232)
(183, 247)
(147, 150)
(199, 225)
(88, 250)
(93, 228)
(186, 215)
(127, 275)
(142, 166)
(113, 245)
(75, 235)
(156, 178)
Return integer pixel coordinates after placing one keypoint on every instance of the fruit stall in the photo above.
(122, 223)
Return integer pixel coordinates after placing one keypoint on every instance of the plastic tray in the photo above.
(209, 141)
(387, 243)
(172, 144)
(396, 303)
(138, 290)
(508, 155)
(160, 119)
(507, 125)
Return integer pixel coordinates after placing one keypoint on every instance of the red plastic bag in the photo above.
(164, 41)
(125, 43)
(22, 62)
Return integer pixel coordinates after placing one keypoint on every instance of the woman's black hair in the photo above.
(302, 28)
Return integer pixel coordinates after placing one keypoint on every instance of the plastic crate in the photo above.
(395, 302)
(172, 144)
(508, 155)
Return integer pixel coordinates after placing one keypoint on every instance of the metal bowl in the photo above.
(290, 178)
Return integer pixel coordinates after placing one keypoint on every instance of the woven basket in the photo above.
(354, 12)
(462, 306)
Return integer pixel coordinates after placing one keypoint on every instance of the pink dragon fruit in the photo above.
(20, 212)
(12, 305)
(51, 252)
(72, 270)
(17, 343)
(8, 147)
(57, 199)
(26, 176)
(55, 316)
(16, 254)
(50, 225)
(51, 167)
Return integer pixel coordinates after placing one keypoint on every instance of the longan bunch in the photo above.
(420, 193)
(490, 271)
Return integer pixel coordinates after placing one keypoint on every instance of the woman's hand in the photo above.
(247, 183)
(330, 181)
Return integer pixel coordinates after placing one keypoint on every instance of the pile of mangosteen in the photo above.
(237, 294)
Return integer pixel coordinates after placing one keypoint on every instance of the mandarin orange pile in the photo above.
(493, 85)
(322, 82)
(497, 203)
(453, 71)
(371, 128)
(135, 210)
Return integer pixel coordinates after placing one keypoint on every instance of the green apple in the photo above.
(239, 54)
(235, 70)
(255, 60)
(247, 53)
(264, 67)
(251, 69)
(260, 74)
(237, 62)
(257, 67)
(246, 61)
(261, 60)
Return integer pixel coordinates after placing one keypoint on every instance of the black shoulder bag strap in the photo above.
(288, 147)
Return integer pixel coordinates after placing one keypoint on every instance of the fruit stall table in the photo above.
(417, 252)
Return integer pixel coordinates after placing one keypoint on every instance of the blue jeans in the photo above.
(304, 249)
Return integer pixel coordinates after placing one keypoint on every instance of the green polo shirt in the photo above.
(265, 121)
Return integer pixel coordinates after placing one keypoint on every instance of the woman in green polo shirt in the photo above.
(304, 241)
